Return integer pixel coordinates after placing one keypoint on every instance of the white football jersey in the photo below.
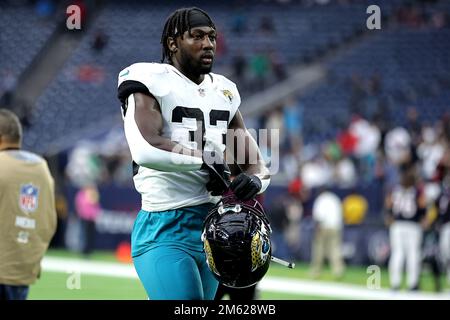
(189, 111)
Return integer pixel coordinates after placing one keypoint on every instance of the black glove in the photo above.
(219, 173)
(246, 186)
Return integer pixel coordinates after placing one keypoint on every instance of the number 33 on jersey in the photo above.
(191, 111)
(192, 114)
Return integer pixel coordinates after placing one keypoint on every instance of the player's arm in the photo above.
(143, 124)
(255, 177)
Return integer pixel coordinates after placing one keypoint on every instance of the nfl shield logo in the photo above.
(28, 198)
(201, 91)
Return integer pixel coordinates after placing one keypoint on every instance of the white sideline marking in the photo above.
(107, 269)
(342, 291)
(273, 284)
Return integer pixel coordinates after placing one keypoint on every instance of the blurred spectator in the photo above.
(83, 166)
(290, 163)
(266, 25)
(239, 22)
(347, 142)
(285, 215)
(317, 173)
(357, 93)
(294, 213)
(293, 122)
(327, 242)
(439, 20)
(398, 145)
(368, 139)
(88, 209)
(7, 87)
(345, 174)
(413, 125)
(279, 222)
(45, 8)
(274, 122)
(375, 85)
(259, 68)
(221, 45)
(124, 170)
(239, 64)
(445, 127)
(430, 152)
(410, 15)
(278, 65)
(367, 135)
(100, 40)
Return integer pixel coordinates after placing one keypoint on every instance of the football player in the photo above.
(176, 117)
(443, 205)
(406, 209)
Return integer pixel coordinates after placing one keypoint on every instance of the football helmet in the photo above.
(236, 240)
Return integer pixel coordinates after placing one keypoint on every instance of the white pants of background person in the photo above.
(444, 248)
(406, 243)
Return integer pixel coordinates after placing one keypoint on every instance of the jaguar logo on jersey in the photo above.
(228, 94)
(28, 198)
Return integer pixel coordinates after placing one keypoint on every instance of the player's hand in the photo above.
(219, 173)
(246, 186)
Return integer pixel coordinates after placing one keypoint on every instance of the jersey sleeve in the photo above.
(147, 78)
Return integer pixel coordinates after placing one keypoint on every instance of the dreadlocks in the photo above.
(176, 24)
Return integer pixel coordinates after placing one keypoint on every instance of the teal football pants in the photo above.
(170, 273)
(168, 254)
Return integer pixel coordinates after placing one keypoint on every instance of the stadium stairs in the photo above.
(49, 61)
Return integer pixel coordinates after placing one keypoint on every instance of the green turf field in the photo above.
(57, 285)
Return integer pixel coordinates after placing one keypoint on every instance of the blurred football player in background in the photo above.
(27, 211)
(176, 116)
(443, 222)
(405, 216)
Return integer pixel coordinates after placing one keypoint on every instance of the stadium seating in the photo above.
(134, 31)
(413, 65)
(23, 34)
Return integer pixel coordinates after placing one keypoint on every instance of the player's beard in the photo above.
(194, 66)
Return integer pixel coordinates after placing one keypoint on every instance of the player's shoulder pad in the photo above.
(143, 77)
(228, 89)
